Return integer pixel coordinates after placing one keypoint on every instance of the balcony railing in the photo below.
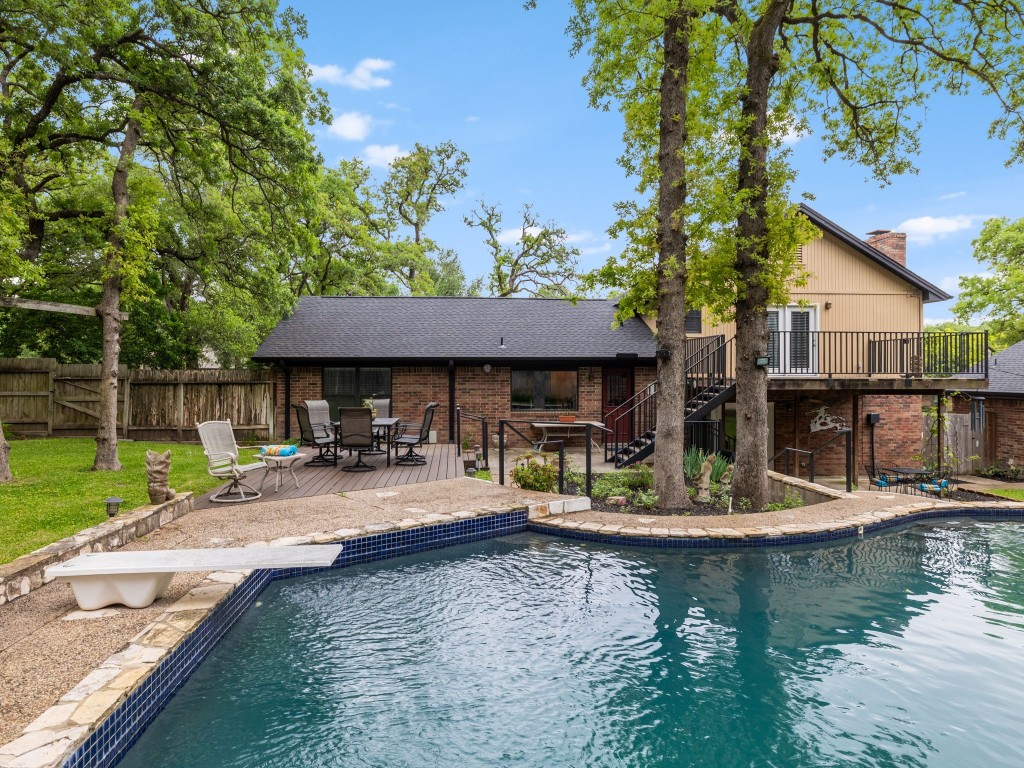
(878, 354)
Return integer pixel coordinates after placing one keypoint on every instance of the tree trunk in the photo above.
(669, 478)
(5, 457)
(751, 475)
(109, 308)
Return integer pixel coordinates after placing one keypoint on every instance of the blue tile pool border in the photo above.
(771, 542)
(106, 745)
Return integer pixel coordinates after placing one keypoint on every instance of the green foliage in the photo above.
(718, 466)
(41, 506)
(792, 500)
(637, 478)
(533, 474)
(997, 295)
(693, 460)
(641, 499)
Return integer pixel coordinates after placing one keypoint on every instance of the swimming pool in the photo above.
(903, 649)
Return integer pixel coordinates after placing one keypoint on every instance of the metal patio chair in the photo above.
(319, 436)
(221, 451)
(410, 440)
(355, 432)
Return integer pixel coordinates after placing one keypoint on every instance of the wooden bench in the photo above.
(136, 579)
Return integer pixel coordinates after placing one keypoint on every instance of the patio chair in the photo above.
(221, 451)
(317, 436)
(410, 440)
(879, 482)
(319, 414)
(382, 405)
(355, 432)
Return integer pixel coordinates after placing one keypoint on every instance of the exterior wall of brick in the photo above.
(479, 393)
(1002, 440)
(898, 437)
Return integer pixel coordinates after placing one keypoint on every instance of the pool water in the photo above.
(905, 649)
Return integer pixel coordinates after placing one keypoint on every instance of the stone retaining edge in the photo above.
(57, 733)
(25, 573)
(780, 535)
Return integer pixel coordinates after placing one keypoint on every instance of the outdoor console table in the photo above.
(136, 579)
(559, 430)
(278, 464)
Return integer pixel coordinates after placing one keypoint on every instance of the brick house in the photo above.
(525, 359)
(850, 349)
(997, 413)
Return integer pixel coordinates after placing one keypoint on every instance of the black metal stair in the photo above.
(709, 384)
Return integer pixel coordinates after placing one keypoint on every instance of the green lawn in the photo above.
(55, 494)
(1016, 494)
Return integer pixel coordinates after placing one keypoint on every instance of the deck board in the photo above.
(442, 464)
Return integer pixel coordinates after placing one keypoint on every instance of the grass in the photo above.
(55, 494)
(483, 474)
(1016, 494)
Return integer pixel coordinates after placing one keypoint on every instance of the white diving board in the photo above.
(136, 579)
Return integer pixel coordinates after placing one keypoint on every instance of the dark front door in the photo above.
(617, 389)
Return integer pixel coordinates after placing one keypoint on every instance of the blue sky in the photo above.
(499, 82)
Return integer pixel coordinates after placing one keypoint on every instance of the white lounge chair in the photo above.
(136, 579)
(222, 461)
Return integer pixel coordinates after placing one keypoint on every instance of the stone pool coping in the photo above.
(71, 732)
(782, 535)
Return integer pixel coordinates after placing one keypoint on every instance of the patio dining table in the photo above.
(387, 424)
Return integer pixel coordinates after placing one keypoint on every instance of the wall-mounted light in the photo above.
(762, 361)
(487, 367)
(828, 305)
(113, 503)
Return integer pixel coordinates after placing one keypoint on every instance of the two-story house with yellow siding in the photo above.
(851, 349)
(852, 343)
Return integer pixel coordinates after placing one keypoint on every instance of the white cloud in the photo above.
(583, 236)
(472, 119)
(952, 196)
(362, 78)
(510, 236)
(924, 230)
(351, 126)
(596, 250)
(951, 283)
(382, 156)
(792, 135)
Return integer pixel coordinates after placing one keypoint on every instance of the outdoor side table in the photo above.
(278, 464)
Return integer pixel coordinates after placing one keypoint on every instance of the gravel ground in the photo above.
(42, 655)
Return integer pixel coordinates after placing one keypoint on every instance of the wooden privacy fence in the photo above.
(963, 447)
(43, 397)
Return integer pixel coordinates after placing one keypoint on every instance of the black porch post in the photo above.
(451, 401)
(287, 402)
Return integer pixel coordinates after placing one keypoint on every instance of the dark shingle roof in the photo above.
(443, 328)
(929, 292)
(1006, 372)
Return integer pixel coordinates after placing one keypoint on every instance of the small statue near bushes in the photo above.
(726, 481)
(158, 470)
(704, 483)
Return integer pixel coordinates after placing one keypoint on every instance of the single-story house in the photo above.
(997, 413)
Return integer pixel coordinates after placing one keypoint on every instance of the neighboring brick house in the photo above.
(524, 359)
(997, 423)
(852, 343)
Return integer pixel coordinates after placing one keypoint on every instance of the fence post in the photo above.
(561, 467)
(810, 467)
(501, 452)
(589, 431)
(179, 392)
(458, 429)
(849, 461)
(483, 429)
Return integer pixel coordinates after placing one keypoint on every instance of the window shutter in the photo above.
(693, 321)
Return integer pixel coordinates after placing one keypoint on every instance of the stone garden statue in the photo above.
(158, 468)
(726, 480)
(704, 483)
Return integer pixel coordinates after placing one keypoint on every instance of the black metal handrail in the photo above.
(459, 416)
(845, 432)
(907, 354)
(712, 370)
(706, 434)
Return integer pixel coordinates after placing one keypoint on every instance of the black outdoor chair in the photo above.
(355, 433)
(412, 439)
(382, 405)
(880, 482)
(317, 436)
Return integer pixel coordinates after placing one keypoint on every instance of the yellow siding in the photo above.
(863, 295)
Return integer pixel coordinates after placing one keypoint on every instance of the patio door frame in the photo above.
(785, 351)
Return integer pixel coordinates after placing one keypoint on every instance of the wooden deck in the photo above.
(442, 464)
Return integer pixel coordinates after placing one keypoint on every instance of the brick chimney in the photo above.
(892, 244)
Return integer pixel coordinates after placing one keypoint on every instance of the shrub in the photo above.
(718, 466)
(791, 501)
(644, 499)
(624, 482)
(693, 459)
(533, 475)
